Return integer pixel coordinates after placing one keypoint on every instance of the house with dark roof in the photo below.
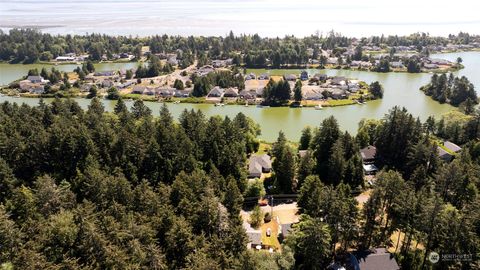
(368, 154)
(375, 259)
(372, 259)
(304, 75)
(258, 165)
(290, 77)
(254, 236)
(264, 76)
(247, 94)
(443, 154)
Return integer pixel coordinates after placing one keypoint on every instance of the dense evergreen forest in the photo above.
(29, 46)
(88, 189)
(453, 90)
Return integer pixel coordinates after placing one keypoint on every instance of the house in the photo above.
(247, 94)
(338, 80)
(104, 73)
(290, 77)
(264, 76)
(368, 154)
(205, 70)
(254, 236)
(216, 92)
(452, 147)
(397, 64)
(258, 165)
(430, 66)
(448, 151)
(231, 92)
(320, 77)
(138, 89)
(332, 61)
(286, 229)
(37, 89)
(125, 85)
(374, 259)
(339, 94)
(313, 96)
(65, 59)
(251, 76)
(182, 93)
(370, 169)
(166, 92)
(221, 63)
(443, 154)
(304, 75)
(35, 79)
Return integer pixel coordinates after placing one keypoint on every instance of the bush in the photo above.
(267, 217)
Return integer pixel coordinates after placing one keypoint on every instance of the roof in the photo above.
(34, 78)
(452, 147)
(286, 229)
(370, 168)
(376, 259)
(368, 152)
(254, 236)
(443, 154)
(259, 163)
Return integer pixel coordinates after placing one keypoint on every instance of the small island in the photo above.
(456, 91)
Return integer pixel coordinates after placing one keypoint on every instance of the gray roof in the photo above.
(259, 163)
(376, 259)
(286, 229)
(443, 154)
(452, 147)
(34, 78)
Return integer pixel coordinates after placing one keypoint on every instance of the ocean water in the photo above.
(266, 17)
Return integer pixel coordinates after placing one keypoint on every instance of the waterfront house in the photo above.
(397, 64)
(247, 94)
(264, 76)
(35, 79)
(104, 73)
(166, 92)
(65, 59)
(320, 77)
(339, 94)
(251, 76)
(338, 80)
(304, 75)
(231, 92)
(138, 89)
(182, 93)
(258, 165)
(216, 92)
(290, 77)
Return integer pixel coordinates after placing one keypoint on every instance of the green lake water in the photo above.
(400, 89)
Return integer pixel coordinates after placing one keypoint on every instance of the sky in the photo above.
(266, 17)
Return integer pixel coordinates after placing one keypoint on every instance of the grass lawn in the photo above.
(263, 148)
(339, 102)
(271, 240)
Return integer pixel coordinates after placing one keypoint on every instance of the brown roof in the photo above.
(368, 152)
